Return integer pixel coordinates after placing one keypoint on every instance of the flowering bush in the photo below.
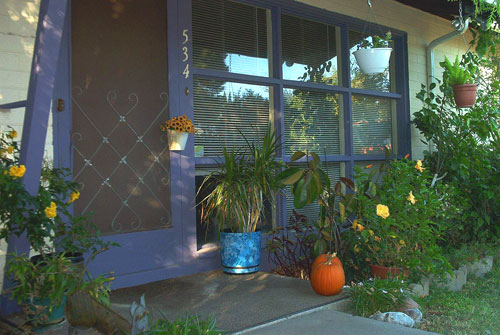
(46, 217)
(180, 124)
(397, 220)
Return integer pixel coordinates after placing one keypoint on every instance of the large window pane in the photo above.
(379, 82)
(334, 170)
(313, 122)
(223, 111)
(309, 50)
(230, 36)
(371, 124)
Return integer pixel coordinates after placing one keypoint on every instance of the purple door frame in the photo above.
(157, 254)
(43, 71)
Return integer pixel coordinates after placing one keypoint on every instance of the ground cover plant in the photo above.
(473, 311)
(377, 295)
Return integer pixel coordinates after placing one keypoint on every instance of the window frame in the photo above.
(275, 80)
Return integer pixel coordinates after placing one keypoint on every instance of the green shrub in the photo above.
(191, 325)
(378, 295)
(465, 153)
(397, 220)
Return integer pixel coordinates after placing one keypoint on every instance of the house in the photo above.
(109, 72)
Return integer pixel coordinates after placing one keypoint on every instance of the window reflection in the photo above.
(223, 111)
(309, 51)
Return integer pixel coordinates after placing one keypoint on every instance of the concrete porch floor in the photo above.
(260, 303)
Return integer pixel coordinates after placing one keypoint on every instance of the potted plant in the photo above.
(41, 287)
(236, 200)
(461, 80)
(374, 53)
(396, 226)
(178, 130)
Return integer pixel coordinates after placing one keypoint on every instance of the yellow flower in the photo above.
(10, 149)
(383, 211)
(13, 134)
(356, 248)
(402, 242)
(354, 224)
(411, 198)
(73, 196)
(419, 167)
(2, 152)
(378, 239)
(360, 227)
(51, 211)
(371, 232)
(16, 171)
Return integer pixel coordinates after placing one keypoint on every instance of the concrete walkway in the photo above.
(331, 322)
(260, 303)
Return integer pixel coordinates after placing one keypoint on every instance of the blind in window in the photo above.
(371, 124)
(230, 36)
(312, 211)
(312, 121)
(309, 50)
(378, 82)
(224, 109)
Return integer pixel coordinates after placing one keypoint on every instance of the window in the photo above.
(316, 97)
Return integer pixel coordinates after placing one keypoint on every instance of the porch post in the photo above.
(36, 118)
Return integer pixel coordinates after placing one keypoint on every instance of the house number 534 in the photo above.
(185, 53)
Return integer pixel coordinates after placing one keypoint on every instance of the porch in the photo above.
(260, 303)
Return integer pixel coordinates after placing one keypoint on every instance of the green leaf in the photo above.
(300, 193)
(297, 155)
(290, 176)
(319, 247)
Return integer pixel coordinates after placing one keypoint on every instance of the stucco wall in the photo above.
(422, 28)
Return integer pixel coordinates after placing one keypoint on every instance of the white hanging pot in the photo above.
(374, 60)
(177, 140)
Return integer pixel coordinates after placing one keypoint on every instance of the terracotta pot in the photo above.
(465, 95)
(383, 271)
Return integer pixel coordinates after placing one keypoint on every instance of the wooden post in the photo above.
(36, 119)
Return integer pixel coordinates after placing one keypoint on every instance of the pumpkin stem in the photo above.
(330, 257)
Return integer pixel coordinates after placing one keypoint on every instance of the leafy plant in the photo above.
(243, 183)
(191, 325)
(310, 184)
(290, 248)
(464, 152)
(376, 41)
(378, 295)
(456, 74)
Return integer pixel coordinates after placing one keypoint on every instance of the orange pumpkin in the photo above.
(327, 277)
(325, 257)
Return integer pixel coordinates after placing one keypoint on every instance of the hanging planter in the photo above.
(465, 95)
(373, 60)
(374, 52)
(177, 140)
(178, 129)
(461, 80)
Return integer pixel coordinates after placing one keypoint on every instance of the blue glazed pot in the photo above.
(49, 319)
(240, 252)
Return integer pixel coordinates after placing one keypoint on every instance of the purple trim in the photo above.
(43, 71)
